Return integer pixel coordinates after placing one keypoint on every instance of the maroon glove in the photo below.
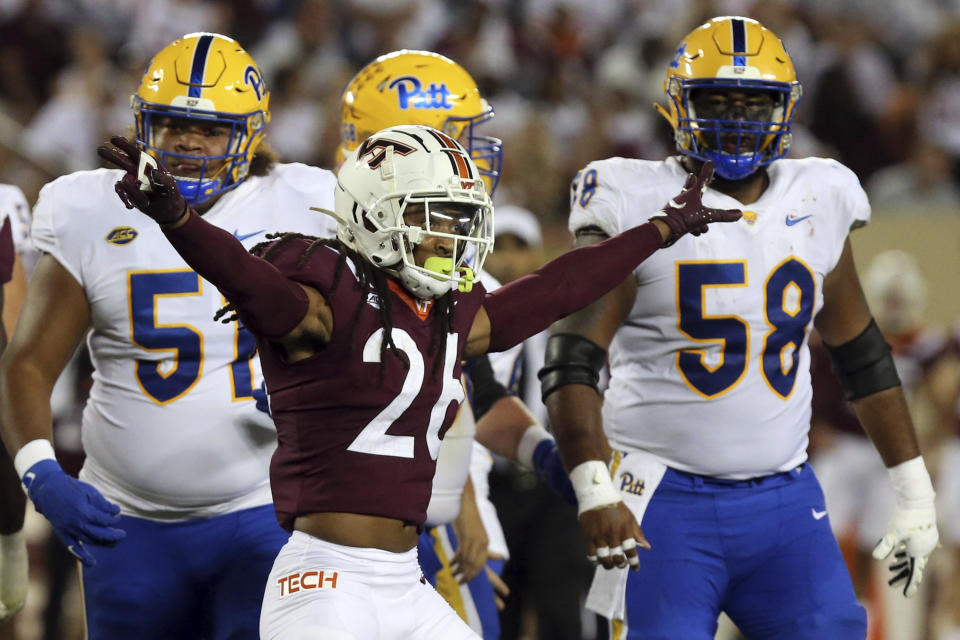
(686, 214)
(148, 186)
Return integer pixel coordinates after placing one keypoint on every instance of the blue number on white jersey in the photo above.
(788, 308)
(731, 331)
(789, 302)
(185, 341)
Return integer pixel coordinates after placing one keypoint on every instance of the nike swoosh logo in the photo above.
(242, 237)
(817, 515)
(791, 220)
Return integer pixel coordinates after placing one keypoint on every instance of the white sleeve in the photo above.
(43, 230)
(594, 202)
(453, 465)
(852, 202)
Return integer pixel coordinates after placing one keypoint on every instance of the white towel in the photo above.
(637, 476)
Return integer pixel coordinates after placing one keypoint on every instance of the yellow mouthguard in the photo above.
(444, 266)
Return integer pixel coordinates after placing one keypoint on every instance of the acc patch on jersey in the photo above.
(122, 235)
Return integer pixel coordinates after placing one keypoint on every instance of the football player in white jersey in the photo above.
(14, 214)
(172, 517)
(705, 421)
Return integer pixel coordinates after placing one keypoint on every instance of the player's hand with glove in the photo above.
(911, 534)
(611, 531)
(13, 573)
(685, 212)
(79, 514)
(147, 186)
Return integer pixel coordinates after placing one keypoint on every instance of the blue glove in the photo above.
(77, 511)
(263, 402)
(549, 468)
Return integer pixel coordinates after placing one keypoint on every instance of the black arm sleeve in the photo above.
(486, 388)
(864, 365)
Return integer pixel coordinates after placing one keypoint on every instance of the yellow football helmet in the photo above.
(419, 87)
(732, 53)
(208, 77)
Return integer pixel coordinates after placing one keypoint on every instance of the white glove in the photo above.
(912, 530)
(13, 573)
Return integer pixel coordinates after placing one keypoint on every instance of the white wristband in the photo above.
(911, 484)
(534, 435)
(32, 453)
(593, 486)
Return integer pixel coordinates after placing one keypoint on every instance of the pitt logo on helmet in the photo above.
(410, 93)
(420, 88)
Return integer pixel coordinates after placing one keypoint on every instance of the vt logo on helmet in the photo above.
(411, 201)
(205, 91)
(420, 87)
(732, 93)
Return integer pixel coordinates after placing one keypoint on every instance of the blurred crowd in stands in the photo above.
(570, 80)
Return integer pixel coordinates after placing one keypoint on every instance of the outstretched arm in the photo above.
(523, 308)
(270, 304)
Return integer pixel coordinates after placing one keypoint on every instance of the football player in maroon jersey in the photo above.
(361, 339)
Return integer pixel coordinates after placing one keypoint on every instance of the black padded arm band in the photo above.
(864, 365)
(571, 359)
(486, 388)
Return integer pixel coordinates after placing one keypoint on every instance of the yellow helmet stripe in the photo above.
(739, 42)
(199, 65)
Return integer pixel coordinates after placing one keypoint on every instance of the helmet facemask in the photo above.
(244, 130)
(739, 139)
(203, 80)
(731, 54)
(461, 228)
(485, 151)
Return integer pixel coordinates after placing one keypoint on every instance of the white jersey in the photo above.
(481, 461)
(710, 371)
(171, 430)
(13, 206)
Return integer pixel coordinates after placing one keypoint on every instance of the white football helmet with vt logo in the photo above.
(407, 184)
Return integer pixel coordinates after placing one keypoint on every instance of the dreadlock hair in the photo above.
(367, 276)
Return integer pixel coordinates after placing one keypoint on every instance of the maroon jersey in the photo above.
(7, 253)
(356, 434)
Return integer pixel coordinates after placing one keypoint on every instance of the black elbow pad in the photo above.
(571, 359)
(864, 364)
